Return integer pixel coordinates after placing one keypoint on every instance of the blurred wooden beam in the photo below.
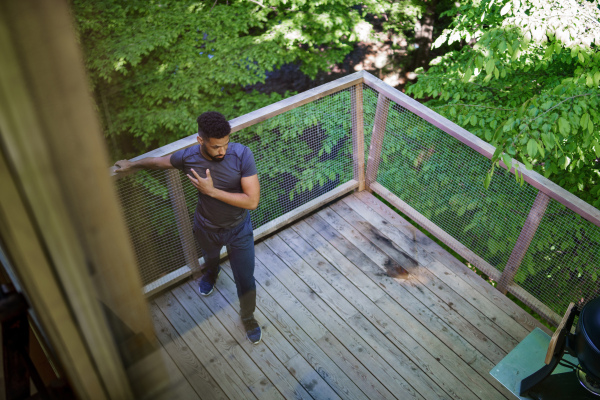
(20, 236)
(56, 155)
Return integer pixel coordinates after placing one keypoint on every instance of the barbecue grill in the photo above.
(584, 345)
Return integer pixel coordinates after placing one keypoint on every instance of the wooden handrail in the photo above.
(262, 114)
(547, 189)
(554, 191)
(536, 180)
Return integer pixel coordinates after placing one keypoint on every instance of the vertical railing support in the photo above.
(186, 236)
(516, 257)
(381, 114)
(358, 135)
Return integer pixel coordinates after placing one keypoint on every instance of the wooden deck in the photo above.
(337, 320)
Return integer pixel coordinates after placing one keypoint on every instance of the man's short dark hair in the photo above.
(212, 124)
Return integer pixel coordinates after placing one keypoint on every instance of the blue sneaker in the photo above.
(253, 331)
(207, 282)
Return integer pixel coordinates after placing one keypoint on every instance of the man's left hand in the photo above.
(204, 185)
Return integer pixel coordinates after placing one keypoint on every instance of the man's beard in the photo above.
(216, 159)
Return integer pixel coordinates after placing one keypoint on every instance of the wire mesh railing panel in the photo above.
(562, 263)
(442, 178)
(152, 225)
(309, 150)
(301, 154)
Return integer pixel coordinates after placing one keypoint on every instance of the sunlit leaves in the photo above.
(548, 140)
(564, 126)
(585, 119)
(532, 148)
(155, 66)
(507, 161)
(573, 24)
(534, 96)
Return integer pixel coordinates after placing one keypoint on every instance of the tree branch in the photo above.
(475, 105)
(570, 98)
(256, 2)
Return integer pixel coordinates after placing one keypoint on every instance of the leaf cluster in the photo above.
(527, 80)
(535, 100)
(154, 66)
(440, 177)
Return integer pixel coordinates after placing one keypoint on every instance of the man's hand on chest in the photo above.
(203, 185)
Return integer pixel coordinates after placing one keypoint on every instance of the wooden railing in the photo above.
(183, 221)
(365, 178)
(546, 188)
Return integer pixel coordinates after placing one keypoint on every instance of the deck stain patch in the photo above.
(310, 386)
(403, 259)
(394, 270)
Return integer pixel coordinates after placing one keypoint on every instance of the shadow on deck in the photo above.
(340, 320)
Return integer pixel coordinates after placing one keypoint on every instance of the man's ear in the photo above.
(199, 138)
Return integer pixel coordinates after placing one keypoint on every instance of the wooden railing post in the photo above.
(516, 257)
(381, 114)
(358, 135)
(186, 236)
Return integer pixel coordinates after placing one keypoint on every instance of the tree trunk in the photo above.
(424, 36)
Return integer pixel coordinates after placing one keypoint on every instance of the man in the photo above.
(226, 178)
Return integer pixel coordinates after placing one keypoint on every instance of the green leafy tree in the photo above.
(526, 80)
(154, 66)
(524, 75)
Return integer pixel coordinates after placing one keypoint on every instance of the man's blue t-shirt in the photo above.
(238, 163)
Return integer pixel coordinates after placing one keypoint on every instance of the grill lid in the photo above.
(590, 318)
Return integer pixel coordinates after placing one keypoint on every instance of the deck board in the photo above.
(389, 309)
(194, 372)
(365, 253)
(204, 349)
(306, 284)
(372, 318)
(339, 322)
(216, 306)
(437, 269)
(344, 379)
(423, 276)
(469, 276)
(277, 337)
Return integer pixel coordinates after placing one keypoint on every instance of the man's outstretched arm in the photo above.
(248, 199)
(163, 162)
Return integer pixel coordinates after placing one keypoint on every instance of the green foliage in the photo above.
(301, 154)
(440, 177)
(528, 82)
(154, 66)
